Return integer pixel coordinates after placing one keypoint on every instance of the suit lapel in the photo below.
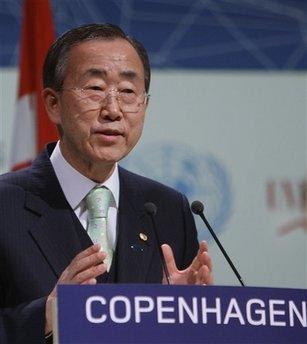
(54, 231)
(56, 237)
(135, 243)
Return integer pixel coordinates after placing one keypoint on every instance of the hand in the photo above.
(83, 269)
(198, 273)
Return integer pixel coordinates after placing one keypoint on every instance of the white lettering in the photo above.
(300, 316)
(261, 312)
(183, 308)
(216, 310)
(273, 312)
(233, 311)
(172, 310)
(127, 309)
(88, 309)
(142, 309)
(163, 309)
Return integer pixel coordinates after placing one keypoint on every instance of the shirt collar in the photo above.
(75, 185)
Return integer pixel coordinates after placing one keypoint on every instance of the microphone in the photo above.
(198, 208)
(151, 210)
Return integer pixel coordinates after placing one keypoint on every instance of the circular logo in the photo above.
(198, 176)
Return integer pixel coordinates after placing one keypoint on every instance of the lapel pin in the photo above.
(136, 247)
(143, 237)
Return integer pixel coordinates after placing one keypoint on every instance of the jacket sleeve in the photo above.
(3, 338)
(24, 323)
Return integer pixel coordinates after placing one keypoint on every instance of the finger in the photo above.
(89, 261)
(89, 274)
(204, 276)
(81, 263)
(91, 281)
(206, 260)
(169, 259)
(201, 266)
(209, 278)
(90, 250)
(198, 261)
(86, 263)
(203, 246)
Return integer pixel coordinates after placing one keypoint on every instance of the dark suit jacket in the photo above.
(40, 235)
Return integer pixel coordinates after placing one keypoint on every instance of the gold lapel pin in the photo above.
(143, 237)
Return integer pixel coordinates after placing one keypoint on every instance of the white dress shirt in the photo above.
(76, 186)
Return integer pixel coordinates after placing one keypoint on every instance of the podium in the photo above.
(117, 313)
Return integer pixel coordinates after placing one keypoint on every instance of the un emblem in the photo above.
(198, 176)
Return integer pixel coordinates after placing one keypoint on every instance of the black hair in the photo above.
(55, 62)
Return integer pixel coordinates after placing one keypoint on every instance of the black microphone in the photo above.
(151, 210)
(198, 208)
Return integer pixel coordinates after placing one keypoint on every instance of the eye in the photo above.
(127, 90)
(95, 88)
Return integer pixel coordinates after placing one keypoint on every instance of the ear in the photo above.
(52, 105)
(147, 101)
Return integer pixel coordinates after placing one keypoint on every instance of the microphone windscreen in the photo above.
(197, 207)
(150, 208)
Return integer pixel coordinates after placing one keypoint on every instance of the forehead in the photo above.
(109, 56)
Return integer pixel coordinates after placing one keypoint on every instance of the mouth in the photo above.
(109, 135)
(109, 132)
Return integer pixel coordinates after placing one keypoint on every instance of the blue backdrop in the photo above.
(210, 34)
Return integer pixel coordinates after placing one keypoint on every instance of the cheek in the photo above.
(136, 128)
(76, 121)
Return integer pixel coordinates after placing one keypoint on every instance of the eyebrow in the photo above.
(96, 72)
(128, 74)
(102, 73)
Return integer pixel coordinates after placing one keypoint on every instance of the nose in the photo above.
(111, 109)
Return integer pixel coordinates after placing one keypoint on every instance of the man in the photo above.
(96, 82)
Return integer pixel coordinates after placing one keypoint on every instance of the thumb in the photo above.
(169, 258)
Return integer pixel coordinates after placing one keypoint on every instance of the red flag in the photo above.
(32, 128)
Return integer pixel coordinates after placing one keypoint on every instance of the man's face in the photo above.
(102, 133)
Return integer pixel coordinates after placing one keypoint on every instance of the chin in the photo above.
(108, 158)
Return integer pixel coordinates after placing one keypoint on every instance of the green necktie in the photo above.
(98, 202)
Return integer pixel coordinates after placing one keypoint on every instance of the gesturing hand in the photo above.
(83, 269)
(198, 273)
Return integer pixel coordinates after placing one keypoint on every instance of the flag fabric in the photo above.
(31, 126)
